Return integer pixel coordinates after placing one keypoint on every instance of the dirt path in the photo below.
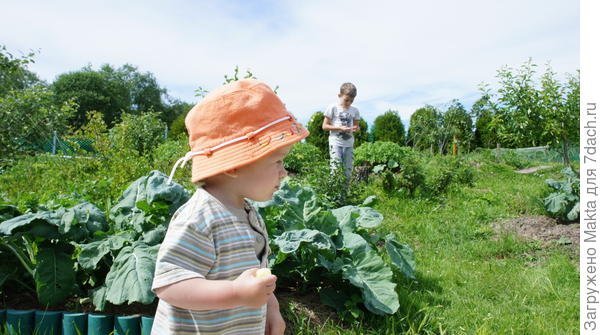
(533, 169)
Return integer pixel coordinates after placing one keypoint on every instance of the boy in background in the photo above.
(206, 269)
(341, 120)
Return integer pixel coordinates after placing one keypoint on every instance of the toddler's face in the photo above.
(345, 100)
(259, 180)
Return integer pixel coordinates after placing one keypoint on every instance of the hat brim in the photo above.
(247, 151)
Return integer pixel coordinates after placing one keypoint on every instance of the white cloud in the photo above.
(400, 54)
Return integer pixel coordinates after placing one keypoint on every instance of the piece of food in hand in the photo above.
(262, 273)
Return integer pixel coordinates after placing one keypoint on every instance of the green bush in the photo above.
(389, 127)
(376, 153)
(442, 171)
(302, 158)
(141, 133)
(318, 137)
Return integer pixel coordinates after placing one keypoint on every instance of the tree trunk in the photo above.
(565, 147)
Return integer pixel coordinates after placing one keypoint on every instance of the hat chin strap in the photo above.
(183, 160)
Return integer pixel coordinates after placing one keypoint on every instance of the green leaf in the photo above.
(43, 224)
(574, 212)
(82, 221)
(290, 241)
(379, 168)
(154, 236)
(351, 217)
(367, 271)
(369, 201)
(402, 256)
(54, 276)
(146, 191)
(99, 298)
(555, 202)
(130, 276)
(91, 253)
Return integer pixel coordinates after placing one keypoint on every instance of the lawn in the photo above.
(472, 279)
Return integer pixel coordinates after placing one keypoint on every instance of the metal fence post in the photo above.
(54, 140)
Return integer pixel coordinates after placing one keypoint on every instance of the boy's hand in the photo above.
(252, 291)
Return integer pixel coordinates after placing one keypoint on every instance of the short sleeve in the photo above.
(187, 252)
(329, 112)
(356, 114)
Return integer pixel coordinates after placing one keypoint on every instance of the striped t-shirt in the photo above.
(205, 240)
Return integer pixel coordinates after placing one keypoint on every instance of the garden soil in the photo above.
(544, 229)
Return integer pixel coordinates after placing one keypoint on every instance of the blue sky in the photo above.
(400, 54)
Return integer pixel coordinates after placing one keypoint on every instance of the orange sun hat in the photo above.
(235, 125)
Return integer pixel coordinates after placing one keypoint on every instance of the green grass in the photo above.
(470, 279)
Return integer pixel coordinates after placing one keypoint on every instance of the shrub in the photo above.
(318, 137)
(302, 158)
(389, 127)
(376, 153)
(138, 132)
(441, 171)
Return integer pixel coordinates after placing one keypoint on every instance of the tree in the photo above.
(144, 92)
(560, 111)
(389, 127)
(519, 115)
(29, 118)
(93, 91)
(526, 113)
(112, 92)
(177, 127)
(424, 128)
(14, 74)
(362, 135)
(483, 113)
(318, 137)
(457, 127)
(140, 133)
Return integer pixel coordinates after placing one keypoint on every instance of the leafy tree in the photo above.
(177, 127)
(14, 74)
(424, 128)
(144, 92)
(457, 126)
(140, 133)
(483, 113)
(93, 91)
(389, 127)
(318, 137)
(528, 113)
(362, 135)
(112, 92)
(29, 117)
(519, 114)
(560, 111)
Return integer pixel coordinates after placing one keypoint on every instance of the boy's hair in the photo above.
(348, 89)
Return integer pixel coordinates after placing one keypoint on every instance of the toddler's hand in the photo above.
(252, 291)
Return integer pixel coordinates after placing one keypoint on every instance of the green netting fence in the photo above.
(544, 153)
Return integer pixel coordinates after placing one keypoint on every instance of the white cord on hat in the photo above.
(183, 160)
